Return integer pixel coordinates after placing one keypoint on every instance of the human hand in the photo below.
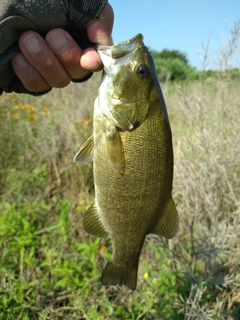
(57, 59)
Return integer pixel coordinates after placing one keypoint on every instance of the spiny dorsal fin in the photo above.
(167, 226)
(85, 154)
(92, 223)
(115, 147)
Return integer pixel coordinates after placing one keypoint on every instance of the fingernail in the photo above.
(103, 40)
(57, 42)
(31, 43)
(20, 61)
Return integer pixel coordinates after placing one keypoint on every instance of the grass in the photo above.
(50, 268)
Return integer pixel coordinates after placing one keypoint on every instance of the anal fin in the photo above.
(167, 226)
(85, 153)
(92, 223)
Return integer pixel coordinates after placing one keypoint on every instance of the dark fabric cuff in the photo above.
(83, 79)
(42, 16)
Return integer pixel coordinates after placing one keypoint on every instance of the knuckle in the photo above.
(33, 81)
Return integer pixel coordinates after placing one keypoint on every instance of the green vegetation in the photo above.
(171, 55)
(173, 65)
(50, 268)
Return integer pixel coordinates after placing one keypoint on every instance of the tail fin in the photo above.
(114, 274)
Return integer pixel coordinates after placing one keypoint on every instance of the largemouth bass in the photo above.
(132, 154)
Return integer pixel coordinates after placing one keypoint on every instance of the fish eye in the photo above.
(143, 71)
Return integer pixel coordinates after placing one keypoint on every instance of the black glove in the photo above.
(41, 16)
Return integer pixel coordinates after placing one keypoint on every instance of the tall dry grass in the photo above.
(206, 131)
(207, 190)
(47, 130)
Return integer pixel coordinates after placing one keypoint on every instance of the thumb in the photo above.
(99, 31)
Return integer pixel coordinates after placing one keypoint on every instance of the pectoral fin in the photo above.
(115, 147)
(85, 154)
(92, 223)
(167, 226)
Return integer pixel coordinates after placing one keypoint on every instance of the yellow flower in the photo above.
(104, 249)
(87, 207)
(82, 202)
(46, 111)
(78, 208)
(32, 118)
(15, 116)
(146, 275)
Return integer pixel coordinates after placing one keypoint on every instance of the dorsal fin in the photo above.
(85, 153)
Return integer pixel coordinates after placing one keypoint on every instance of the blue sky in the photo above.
(176, 24)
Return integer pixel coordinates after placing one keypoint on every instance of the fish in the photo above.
(132, 153)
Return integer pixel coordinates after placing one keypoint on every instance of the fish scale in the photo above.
(139, 185)
(131, 149)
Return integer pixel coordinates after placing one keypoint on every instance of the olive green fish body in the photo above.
(132, 209)
(131, 148)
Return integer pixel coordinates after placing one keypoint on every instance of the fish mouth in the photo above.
(121, 49)
(135, 39)
(120, 54)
